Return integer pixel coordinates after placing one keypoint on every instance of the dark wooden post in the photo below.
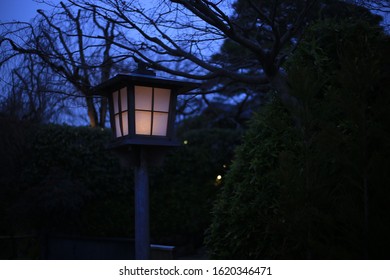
(142, 238)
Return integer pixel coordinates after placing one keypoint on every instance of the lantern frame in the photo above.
(130, 82)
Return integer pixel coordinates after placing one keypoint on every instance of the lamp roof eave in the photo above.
(120, 80)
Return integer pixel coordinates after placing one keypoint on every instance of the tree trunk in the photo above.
(92, 114)
(103, 112)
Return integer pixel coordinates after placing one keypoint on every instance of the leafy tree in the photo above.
(246, 215)
(251, 15)
(315, 190)
(355, 103)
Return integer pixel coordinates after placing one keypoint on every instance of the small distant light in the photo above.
(185, 142)
(218, 181)
(224, 166)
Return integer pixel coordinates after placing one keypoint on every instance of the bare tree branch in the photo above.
(62, 41)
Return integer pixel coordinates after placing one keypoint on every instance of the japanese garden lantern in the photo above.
(142, 107)
(142, 116)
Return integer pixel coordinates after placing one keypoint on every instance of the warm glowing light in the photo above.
(219, 177)
(161, 99)
(185, 142)
(151, 110)
(143, 122)
(160, 124)
(121, 115)
(143, 98)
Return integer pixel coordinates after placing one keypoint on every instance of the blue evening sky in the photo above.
(19, 10)
(24, 10)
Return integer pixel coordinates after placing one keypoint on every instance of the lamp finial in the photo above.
(143, 68)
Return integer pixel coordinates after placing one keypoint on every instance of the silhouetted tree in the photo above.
(189, 32)
(31, 94)
(61, 40)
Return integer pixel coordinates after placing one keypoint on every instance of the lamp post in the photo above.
(142, 115)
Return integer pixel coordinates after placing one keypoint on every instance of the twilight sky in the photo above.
(19, 10)
(24, 10)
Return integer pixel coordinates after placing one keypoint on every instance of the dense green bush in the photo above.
(61, 179)
(247, 214)
(69, 183)
(315, 187)
(183, 190)
(14, 152)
